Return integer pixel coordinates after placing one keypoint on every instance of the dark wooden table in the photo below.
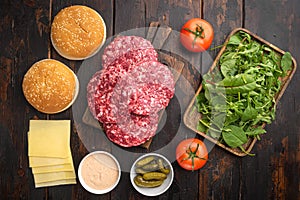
(272, 174)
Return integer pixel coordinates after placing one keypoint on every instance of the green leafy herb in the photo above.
(235, 39)
(286, 62)
(228, 67)
(249, 113)
(234, 136)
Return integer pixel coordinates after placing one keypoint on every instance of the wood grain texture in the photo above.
(24, 39)
(23, 32)
(222, 174)
(174, 14)
(83, 138)
(280, 144)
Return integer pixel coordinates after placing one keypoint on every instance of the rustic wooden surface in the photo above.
(24, 39)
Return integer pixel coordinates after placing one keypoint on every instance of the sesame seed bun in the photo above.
(78, 32)
(50, 86)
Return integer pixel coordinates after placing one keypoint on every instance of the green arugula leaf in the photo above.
(228, 67)
(234, 136)
(286, 62)
(201, 127)
(250, 113)
(234, 40)
(242, 88)
(238, 80)
(255, 131)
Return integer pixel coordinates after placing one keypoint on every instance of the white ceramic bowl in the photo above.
(90, 188)
(156, 190)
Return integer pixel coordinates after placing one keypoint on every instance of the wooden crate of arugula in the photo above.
(238, 95)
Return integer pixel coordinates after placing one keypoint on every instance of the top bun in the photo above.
(78, 32)
(50, 86)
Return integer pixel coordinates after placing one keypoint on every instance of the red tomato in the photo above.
(196, 35)
(191, 154)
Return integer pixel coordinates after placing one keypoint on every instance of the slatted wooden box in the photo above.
(192, 116)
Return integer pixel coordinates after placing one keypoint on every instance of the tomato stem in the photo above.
(198, 33)
(192, 155)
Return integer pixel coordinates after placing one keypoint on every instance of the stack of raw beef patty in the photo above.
(130, 90)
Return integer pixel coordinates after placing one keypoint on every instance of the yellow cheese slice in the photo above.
(53, 168)
(35, 161)
(49, 138)
(41, 161)
(49, 152)
(53, 176)
(54, 183)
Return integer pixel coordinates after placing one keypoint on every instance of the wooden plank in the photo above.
(83, 138)
(152, 31)
(224, 16)
(174, 14)
(65, 190)
(24, 29)
(224, 180)
(278, 151)
(162, 34)
(128, 16)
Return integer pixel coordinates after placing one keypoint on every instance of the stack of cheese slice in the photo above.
(49, 153)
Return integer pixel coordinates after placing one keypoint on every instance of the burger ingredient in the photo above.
(151, 167)
(99, 171)
(77, 32)
(161, 167)
(49, 152)
(49, 86)
(154, 176)
(144, 161)
(130, 90)
(127, 49)
(131, 130)
(140, 171)
(196, 35)
(238, 96)
(191, 154)
(139, 181)
(151, 172)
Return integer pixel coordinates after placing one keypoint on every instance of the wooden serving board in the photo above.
(157, 34)
(191, 116)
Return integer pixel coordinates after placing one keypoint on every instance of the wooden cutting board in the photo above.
(157, 34)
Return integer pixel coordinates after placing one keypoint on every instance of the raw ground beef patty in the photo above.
(122, 45)
(146, 89)
(133, 131)
(129, 91)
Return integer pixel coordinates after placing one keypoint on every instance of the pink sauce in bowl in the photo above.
(99, 172)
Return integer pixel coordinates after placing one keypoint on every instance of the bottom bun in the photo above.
(50, 86)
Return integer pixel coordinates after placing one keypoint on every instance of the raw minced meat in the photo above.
(121, 45)
(145, 89)
(126, 95)
(132, 131)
